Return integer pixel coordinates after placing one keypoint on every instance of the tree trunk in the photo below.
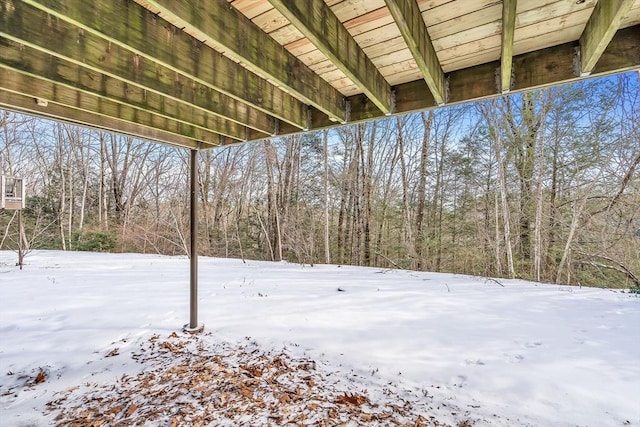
(407, 235)
(427, 121)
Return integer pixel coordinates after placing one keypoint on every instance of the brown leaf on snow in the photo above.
(40, 378)
(246, 392)
(279, 363)
(113, 352)
(283, 398)
(254, 371)
(276, 419)
(229, 385)
(114, 410)
(131, 410)
(168, 346)
(421, 422)
(366, 418)
(351, 399)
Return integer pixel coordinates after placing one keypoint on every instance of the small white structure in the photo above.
(12, 195)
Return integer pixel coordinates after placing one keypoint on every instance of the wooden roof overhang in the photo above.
(203, 73)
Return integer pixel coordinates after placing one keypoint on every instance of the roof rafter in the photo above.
(321, 26)
(36, 29)
(600, 29)
(408, 18)
(506, 56)
(197, 60)
(217, 24)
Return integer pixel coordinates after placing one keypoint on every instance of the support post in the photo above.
(193, 326)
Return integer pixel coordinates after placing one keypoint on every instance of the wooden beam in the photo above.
(39, 30)
(508, 30)
(67, 74)
(321, 26)
(129, 25)
(600, 29)
(38, 88)
(27, 105)
(408, 18)
(217, 24)
(533, 70)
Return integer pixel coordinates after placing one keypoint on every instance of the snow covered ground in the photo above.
(476, 350)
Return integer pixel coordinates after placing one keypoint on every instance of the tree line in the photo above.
(542, 185)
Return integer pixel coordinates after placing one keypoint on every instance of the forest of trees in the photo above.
(542, 185)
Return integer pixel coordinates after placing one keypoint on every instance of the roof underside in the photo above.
(202, 73)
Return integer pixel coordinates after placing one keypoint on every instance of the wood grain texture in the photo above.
(506, 55)
(319, 24)
(600, 29)
(218, 24)
(62, 75)
(414, 31)
(38, 30)
(129, 123)
(131, 26)
(186, 71)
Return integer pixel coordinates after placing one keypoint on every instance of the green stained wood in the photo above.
(67, 74)
(219, 25)
(319, 24)
(506, 56)
(600, 29)
(115, 99)
(35, 87)
(37, 29)
(130, 25)
(26, 104)
(408, 18)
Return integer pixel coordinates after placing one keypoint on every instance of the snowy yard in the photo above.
(447, 349)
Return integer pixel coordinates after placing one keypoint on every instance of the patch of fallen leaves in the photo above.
(25, 381)
(191, 381)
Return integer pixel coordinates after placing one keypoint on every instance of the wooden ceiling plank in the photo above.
(219, 25)
(550, 66)
(102, 114)
(506, 56)
(476, 18)
(600, 29)
(414, 31)
(39, 30)
(67, 74)
(316, 20)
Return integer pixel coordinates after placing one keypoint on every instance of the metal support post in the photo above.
(193, 325)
